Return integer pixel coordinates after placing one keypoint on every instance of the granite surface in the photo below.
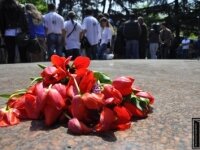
(174, 83)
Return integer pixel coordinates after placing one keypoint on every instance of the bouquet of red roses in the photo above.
(87, 101)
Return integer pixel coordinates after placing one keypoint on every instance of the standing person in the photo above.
(73, 34)
(143, 38)
(12, 23)
(36, 32)
(106, 37)
(91, 31)
(153, 41)
(119, 47)
(54, 25)
(185, 43)
(197, 47)
(165, 38)
(131, 32)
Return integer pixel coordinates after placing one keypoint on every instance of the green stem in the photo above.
(7, 107)
(67, 116)
(77, 87)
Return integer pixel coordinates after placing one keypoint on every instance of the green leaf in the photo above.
(135, 101)
(5, 95)
(36, 79)
(42, 66)
(103, 78)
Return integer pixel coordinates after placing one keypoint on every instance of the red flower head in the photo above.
(78, 109)
(55, 104)
(107, 118)
(52, 75)
(124, 85)
(77, 127)
(146, 95)
(81, 62)
(123, 118)
(112, 95)
(61, 89)
(60, 62)
(26, 105)
(8, 117)
(93, 101)
(134, 111)
(86, 81)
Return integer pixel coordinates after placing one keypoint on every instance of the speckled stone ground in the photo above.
(174, 83)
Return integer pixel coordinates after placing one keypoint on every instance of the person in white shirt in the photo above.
(54, 25)
(185, 47)
(73, 34)
(106, 37)
(91, 31)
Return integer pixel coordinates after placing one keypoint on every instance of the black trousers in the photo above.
(72, 52)
(10, 44)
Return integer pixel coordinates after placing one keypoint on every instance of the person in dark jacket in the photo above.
(13, 22)
(153, 41)
(143, 38)
(131, 32)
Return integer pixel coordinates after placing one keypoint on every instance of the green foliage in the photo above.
(40, 4)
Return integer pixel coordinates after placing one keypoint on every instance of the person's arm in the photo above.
(45, 24)
(160, 37)
(63, 31)
(84, 27)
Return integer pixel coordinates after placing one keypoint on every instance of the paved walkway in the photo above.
(174, 83)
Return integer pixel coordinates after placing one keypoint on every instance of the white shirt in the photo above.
(91, 25)
(106, 35)
(73, 41)
(185, 43)
(54, 23)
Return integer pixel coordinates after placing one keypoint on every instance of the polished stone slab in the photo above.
(174, 83)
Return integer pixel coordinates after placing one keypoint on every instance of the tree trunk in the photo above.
(104, 6)
(110, 6)
(177, 24)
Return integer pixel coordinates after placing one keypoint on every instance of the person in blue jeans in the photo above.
(54, 25)
(106, 37)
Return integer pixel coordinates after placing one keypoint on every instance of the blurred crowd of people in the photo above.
(30, 36)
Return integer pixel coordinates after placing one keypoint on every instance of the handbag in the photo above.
(85, 43)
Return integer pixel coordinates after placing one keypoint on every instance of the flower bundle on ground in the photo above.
(86, 101)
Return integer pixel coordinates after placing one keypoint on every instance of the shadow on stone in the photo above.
(106, 136)
(37, 125)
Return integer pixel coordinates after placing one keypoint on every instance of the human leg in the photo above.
(51, 40)
(128, 49)
(59, 44)
(10, 44)
(135, 49)
(101, 51)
